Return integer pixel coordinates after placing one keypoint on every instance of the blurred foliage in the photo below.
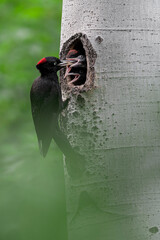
(32, 202)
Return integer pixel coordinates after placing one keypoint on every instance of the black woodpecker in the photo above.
(46, 104)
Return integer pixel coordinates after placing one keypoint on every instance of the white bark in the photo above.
(118, 127)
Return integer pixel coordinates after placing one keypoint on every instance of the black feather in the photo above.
(46, 104)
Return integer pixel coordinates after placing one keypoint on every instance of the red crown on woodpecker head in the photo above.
(43, 60)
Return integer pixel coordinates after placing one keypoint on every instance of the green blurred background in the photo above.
(32, 200)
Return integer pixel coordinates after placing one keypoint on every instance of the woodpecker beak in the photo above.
(66, 63)
(63, 63)
(76, 62)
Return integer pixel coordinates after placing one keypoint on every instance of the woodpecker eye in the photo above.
(55, 63)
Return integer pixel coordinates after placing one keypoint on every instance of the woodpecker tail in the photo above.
(75, 162)
(63, 143)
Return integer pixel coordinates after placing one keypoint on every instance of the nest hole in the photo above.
(85, 73)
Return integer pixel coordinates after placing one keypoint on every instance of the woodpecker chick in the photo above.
(76, 67)
(71, 54)
(78, 77)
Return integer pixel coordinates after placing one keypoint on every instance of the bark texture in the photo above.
(116, 124)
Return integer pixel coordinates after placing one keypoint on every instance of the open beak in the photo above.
(74, 62)
(76, 77)
(77, 61)
(63, 63)
(66, 62)
(68, 69)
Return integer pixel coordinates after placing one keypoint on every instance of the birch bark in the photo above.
(117, 124)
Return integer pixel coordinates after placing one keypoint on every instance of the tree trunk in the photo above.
(115, 123)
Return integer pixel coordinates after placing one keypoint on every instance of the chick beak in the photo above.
(66, 62)
(77, 61)
(63, 63)
(68, 69)
(76, 77)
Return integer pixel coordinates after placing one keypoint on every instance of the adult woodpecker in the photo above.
(46, 104)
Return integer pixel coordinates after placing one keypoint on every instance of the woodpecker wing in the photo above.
(45, 104)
